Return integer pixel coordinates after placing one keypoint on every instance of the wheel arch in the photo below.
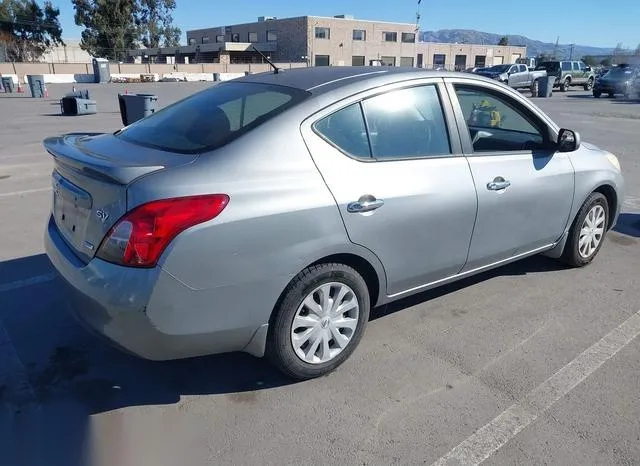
(610, 194)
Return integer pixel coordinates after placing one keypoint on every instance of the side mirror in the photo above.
(588, 68)
(568, 140)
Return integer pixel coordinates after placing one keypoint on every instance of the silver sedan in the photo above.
(270, 213)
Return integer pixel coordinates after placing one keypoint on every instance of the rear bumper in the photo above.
(130, 307)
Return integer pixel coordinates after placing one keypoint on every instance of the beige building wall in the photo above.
(341, 47)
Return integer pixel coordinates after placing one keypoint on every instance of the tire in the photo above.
(307, 284)
(611, 95)
(564, 86)
(597, 94)
(534, 88)
(589, 85)
(572, 254)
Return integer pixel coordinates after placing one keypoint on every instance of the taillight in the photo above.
(138, 238)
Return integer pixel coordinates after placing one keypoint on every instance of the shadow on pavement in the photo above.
(628, 224)
(532, 264)
(54, 375)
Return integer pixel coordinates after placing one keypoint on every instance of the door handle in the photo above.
(365, 204)
(498, 184)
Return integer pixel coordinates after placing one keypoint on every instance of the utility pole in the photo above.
(571, 51)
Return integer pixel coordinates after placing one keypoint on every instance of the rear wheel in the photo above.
(587, 232)
(597, 94)
(319, 321)
(611, 94)
(564, 86)
(589, 85)
(535, 85)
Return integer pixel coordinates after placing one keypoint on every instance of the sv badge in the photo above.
(102, 215)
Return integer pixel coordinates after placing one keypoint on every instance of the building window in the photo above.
(359, 34)
(439, 59)
(205, 40)
(253, 37)
(235, 37)
(323, 33)
(388, 61)
(461, 62)
(480, 61)
(357, 60)
(220, 39)
(406, 61)
(390, 36)
(272, 36)
(322, 60)
(408, 37)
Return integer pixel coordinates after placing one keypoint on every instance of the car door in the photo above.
(515, 76)
(392, 159)
(525, 189)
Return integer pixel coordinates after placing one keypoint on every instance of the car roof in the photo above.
(320, 80)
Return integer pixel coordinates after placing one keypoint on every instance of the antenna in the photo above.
(276, 70)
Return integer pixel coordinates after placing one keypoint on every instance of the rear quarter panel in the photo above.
(281, 217)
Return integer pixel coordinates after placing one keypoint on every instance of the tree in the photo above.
(589, 60)
(504, 40)
(109, 25)
(114, 26)
(155, 23)
(27, 30)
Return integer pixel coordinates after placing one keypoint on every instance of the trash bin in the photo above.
(72, 106)
(545, 86)
(36, 85)
(134, 107)
(101, 71)
(82, 94)
(7, 84)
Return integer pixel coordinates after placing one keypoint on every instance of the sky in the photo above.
(583, 22)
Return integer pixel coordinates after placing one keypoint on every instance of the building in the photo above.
(70, 52)
(327, 41)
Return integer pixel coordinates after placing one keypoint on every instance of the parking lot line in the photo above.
(47, 277)
(497, 433)
(26, 191)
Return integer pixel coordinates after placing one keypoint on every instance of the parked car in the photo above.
(569, 73)
(268, 214)
(517, 76)
(619, 80)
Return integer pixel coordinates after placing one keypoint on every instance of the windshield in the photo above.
(619, 72)
(212, 118)
(548, 66)
(498, 68)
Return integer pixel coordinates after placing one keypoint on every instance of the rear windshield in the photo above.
(548, 66)
(212, 118)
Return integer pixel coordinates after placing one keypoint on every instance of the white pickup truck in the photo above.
(516, 75)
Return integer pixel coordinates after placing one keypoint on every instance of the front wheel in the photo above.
(587, 232)
(589, 85)
(319, 321)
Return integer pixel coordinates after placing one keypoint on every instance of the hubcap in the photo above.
(592, 231)
(325, 323)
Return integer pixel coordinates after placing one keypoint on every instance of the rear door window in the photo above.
(212, 118)
(566, 66)
(345, 129)
(407, 123)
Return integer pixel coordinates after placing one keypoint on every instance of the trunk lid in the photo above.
(90, 179)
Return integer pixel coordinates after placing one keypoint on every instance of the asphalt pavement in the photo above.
(531, 363)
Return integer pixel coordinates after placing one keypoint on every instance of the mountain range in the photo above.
(534, 47)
